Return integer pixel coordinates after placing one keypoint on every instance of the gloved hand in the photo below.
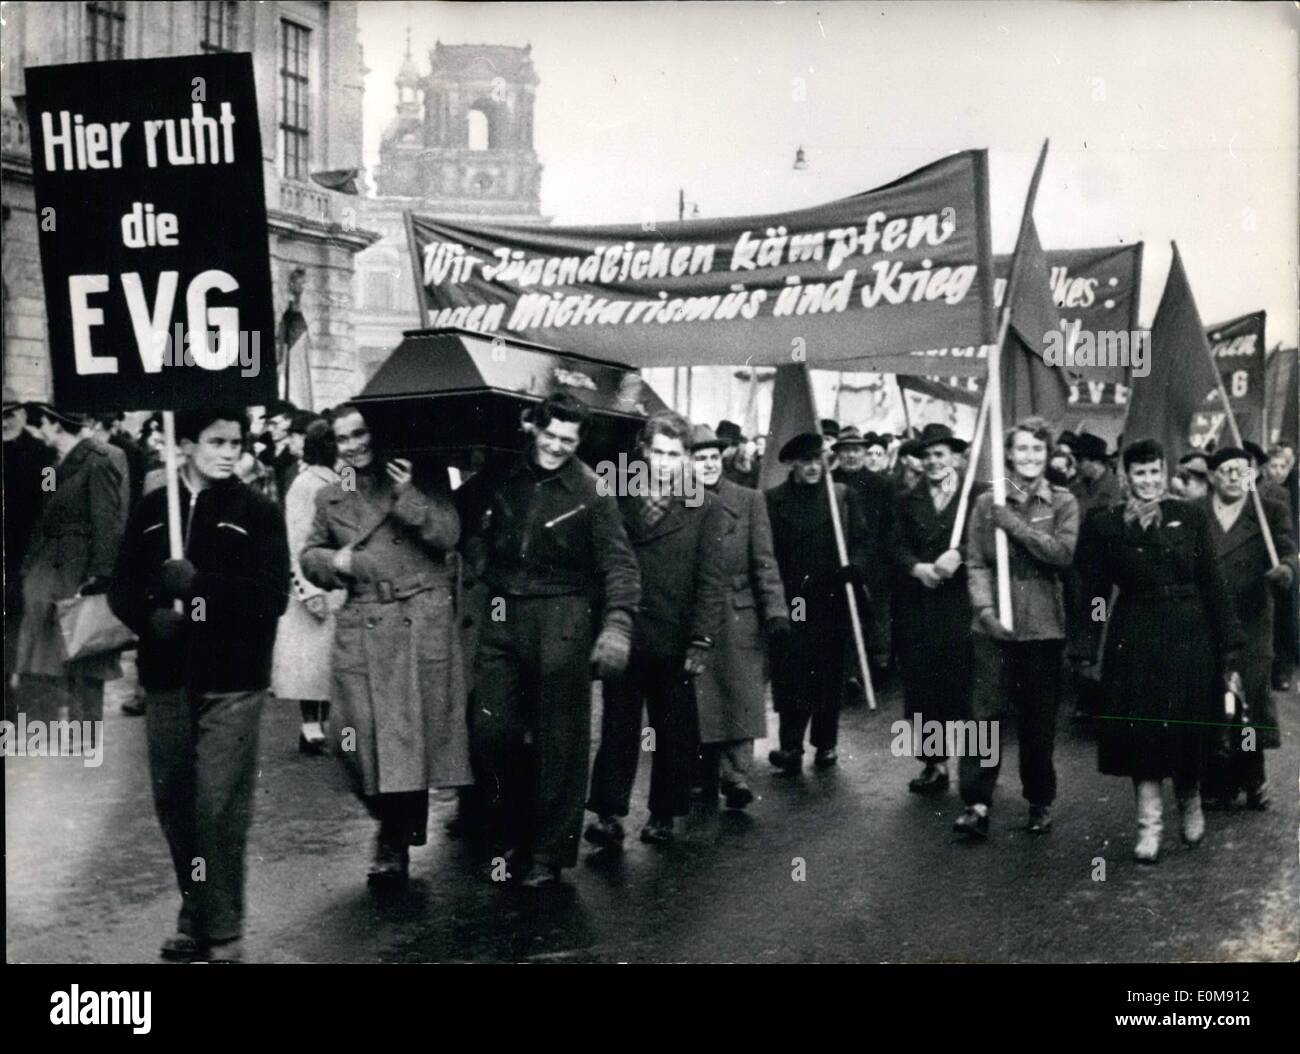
(989, 623)
(1232, 683)
(696, 658)
(94, 585)
(1003, 517)
(777, 626)
(166, 624)
(177, 578)
(613, 646)
(1281, 576)
(947, 564)
(928, 575)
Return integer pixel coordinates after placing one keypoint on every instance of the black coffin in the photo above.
(449, 391)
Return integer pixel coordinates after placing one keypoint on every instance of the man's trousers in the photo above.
(1024, 676)
(660, 685)
(808, 685)
(203, 758)
(530, 726)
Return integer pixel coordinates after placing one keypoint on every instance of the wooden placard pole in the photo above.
(175, 546)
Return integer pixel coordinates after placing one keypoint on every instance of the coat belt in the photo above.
(391, 590)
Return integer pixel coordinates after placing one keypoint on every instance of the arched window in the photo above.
(479, 130)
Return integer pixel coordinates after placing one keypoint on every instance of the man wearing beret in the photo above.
(1254, 584)
(807, 666)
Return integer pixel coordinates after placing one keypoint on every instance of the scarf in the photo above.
(1145, 513)
(942, 494)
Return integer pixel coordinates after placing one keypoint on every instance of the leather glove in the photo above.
(166, 624)
(777, 626)
(177, 578)
(696, 658)
(94, 585)
(1281, 576)
(988, 620)
(610, 655)
(928, 575)
(947, 564)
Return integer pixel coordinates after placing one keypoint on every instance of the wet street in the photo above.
(843, 865)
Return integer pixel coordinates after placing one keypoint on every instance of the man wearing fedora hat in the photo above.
(741, 464)
(807, 665)
(932, 611)
(874, 497)
(730, 692)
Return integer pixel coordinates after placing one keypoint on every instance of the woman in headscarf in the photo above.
(398, 679)
(1171, 646)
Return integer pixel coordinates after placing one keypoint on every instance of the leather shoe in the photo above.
(788, 761)
(390, 865)
(825, 758)
(933, 780)
(1258, 800)
(737, 795)
(181, 947)
(1040, 819)
(972, 824)
(606, 831)
(657, 832)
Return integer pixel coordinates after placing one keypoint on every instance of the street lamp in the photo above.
(682, 203)
(800, 161)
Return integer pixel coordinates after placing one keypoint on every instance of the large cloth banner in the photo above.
(1238, 348)
(152, 217)
(1097, 292)
(902, 266)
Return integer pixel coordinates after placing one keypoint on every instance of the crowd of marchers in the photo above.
(443, 628)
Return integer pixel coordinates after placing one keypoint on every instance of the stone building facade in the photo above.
(309, 76)
(460, 144)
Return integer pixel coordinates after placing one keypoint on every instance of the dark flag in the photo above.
(1030, 384)
(792, 414)
(1163, 402)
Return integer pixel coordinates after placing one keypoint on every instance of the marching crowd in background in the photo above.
(440, 636)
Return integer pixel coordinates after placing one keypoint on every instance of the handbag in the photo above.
(90, 628)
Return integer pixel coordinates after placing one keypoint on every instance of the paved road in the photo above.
(883, 878)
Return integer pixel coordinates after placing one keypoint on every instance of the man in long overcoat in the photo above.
(72, 550)
(400, 720)
(1242, 555)
(807, 663)
(932, 608)
(730, 693)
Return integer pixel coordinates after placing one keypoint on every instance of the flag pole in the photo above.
(907, 416)
(175, 546)
(855, 620)
(972, 464)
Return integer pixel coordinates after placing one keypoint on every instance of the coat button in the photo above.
(406, 621)
(370, 623)
(359, 548)
(397, 541)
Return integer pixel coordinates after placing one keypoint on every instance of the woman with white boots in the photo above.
(1171, 643)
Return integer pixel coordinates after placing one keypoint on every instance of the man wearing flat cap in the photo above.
(807, 666)
(874, 496)
(740, 463)
(932, 608)
(1254, 585)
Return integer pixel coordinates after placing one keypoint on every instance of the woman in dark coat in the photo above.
(932, 609)
(1171, 642)
(398, 677)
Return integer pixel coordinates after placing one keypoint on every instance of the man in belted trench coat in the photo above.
(399, 681)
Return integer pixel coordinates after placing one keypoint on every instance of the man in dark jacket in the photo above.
(807, 665)
(556, 566)
(676, 532)
(1255, 585)
(206, 624)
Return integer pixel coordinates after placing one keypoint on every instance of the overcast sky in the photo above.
(1167, 121)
